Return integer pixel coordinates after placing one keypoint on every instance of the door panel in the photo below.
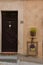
(9, 31)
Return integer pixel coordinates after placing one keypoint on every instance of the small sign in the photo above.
(21, 22)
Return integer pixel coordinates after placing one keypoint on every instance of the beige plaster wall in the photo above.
(31, 13)
(33, 17)
(16, 5)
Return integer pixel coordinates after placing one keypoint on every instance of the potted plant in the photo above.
(33, 31)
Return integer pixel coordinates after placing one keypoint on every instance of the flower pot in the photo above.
(33, 32)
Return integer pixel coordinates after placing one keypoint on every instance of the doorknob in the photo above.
(10, 26)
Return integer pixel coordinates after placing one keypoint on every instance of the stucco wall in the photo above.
(14, 6)
(31, 13)
(33, 17)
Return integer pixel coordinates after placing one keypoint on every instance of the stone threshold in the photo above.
(9, 56)
(8, 53)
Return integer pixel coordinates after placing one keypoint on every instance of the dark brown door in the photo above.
(9, 31)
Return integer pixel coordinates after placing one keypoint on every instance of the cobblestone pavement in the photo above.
(20, 63)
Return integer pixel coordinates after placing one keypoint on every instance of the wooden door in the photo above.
(9, 31)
